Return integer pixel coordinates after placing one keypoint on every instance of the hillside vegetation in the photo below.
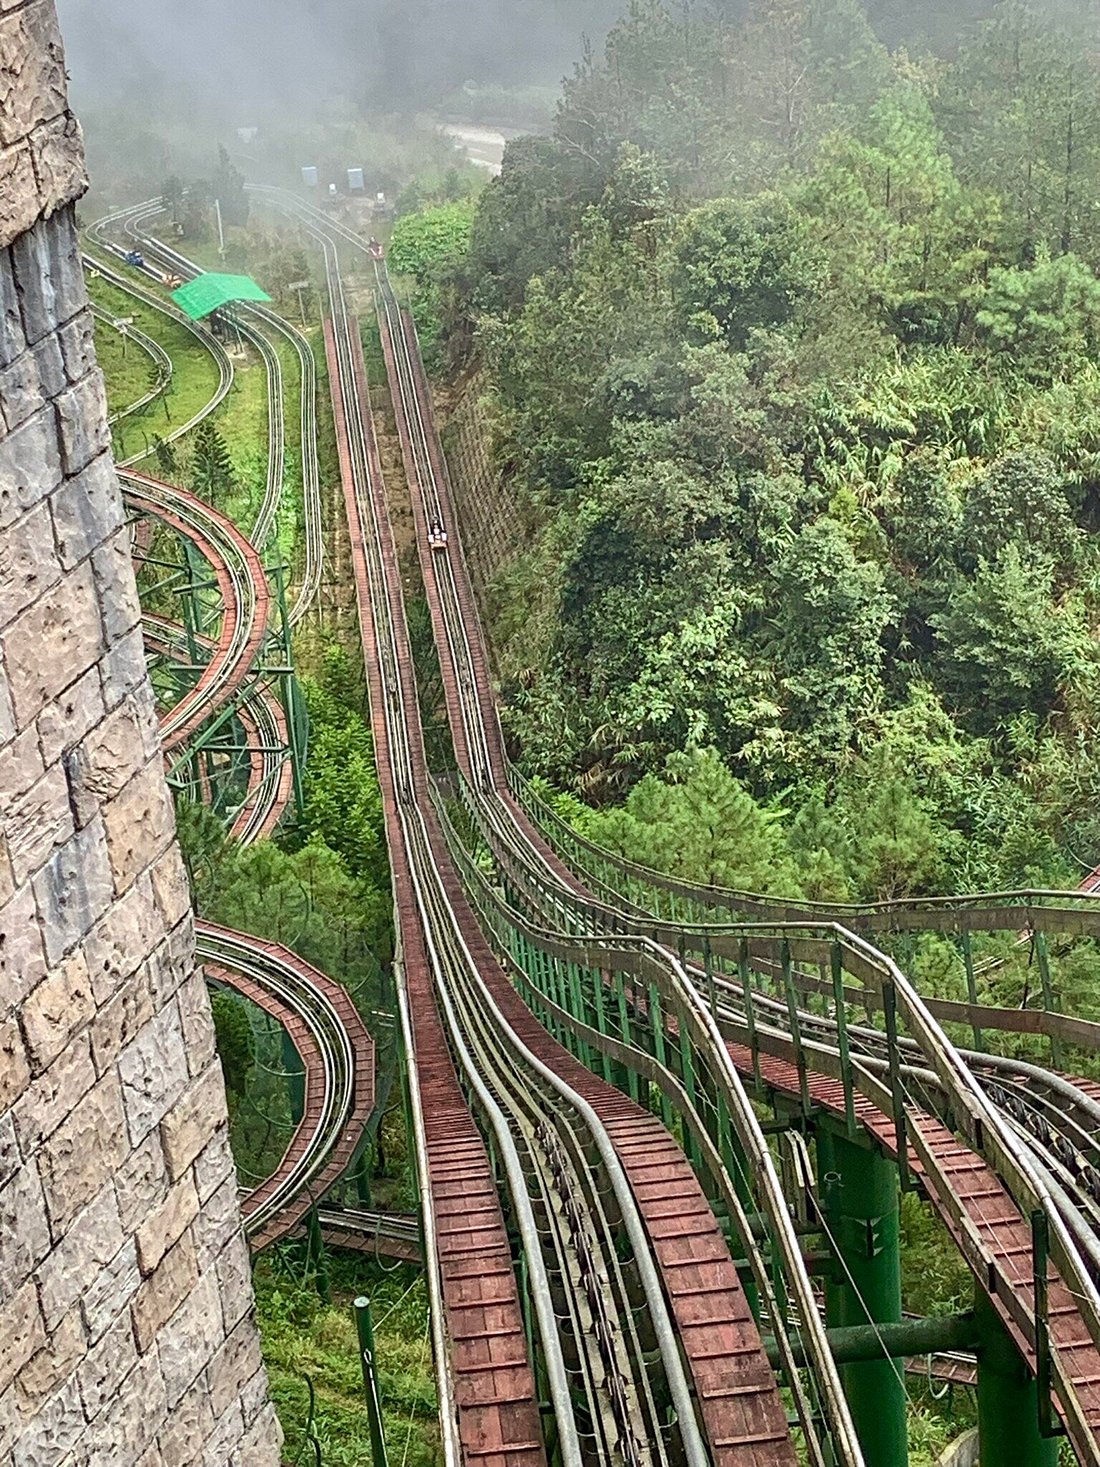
(789, 342)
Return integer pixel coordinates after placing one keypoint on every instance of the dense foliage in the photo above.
(323, 889)
(789, 342)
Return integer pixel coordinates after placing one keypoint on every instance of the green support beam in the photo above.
(1008, 1403)
(858, 1343)
(859, 1195)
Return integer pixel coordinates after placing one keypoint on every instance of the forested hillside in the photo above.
(790, 345)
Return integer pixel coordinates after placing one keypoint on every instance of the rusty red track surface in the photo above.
(319, 1078)
(1002, 1232)
(742, 1412)
(256, 773)
(236, 647)
(495, 1397)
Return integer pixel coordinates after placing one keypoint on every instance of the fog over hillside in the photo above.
(381, 53)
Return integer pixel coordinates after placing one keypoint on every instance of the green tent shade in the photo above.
(207, 292)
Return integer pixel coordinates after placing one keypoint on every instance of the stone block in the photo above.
(21, 1332)
(192, 1122)
(187, 1342)
(53, 643)
(77, 340)
(53, 1096)
(198, 1022)
(74, 889)
(28, 561)
(86, 510)
(57, 151)
(91, 1241)
(22, 958)
(7, 877)
(84, 1153)
(233, 1366)
(120, 1021)
(66, 720)
(118, 942)
(38, 821)
(24, 1230)
(10, 1158)
(166, 1224)
(21, 393)
(124, 1430)
(82, 423)
(220, 1448)
(234, 1270)
(171, 889)
(15, 1070)
(141, 1182)
(64, 1350)
(140, 823)
(101, 766)
(49, 366)
(49, 279)
(18, 191)
(12, 341)
(30, 464)
(214, 1166)
(190, 1422)
(54, 1431)
(21, 766)
(218, 1224)
(163, 1292)
(176, 958)
(106, 1367)
(153, 1070)
(34, 72)
(111, 1291)
(123, 669)
(56, 1010)
(114, 577)
(253, 1398)
(260, 1446)
(7, 712)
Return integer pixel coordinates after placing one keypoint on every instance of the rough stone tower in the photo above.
(126, 1328)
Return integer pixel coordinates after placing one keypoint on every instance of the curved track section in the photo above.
(156, 354)
(258, 324)
(488, 1398)
(527, 1047)
(208, 342)
(337, 1054)
(244, 592)
(740, 1407)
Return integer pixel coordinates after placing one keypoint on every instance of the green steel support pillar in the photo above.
(1008, 1408)
(859, 1195)
(657, 1024)
(365, 1330)
(627, 1036)
(607, 1069)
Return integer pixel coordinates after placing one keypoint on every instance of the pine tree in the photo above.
(212, 472)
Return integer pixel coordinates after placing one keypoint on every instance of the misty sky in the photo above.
(383, 53)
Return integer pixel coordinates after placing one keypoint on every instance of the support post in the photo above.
(365, 1330)
(859, 1199)
(1008, 1406)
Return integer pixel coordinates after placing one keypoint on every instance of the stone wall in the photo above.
(127, 1335)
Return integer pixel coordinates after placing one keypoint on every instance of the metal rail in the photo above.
(338, 1057)
(242, 584)
(477, 740)
(256, 322)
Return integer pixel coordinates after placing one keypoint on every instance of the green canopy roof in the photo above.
(207, 292)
